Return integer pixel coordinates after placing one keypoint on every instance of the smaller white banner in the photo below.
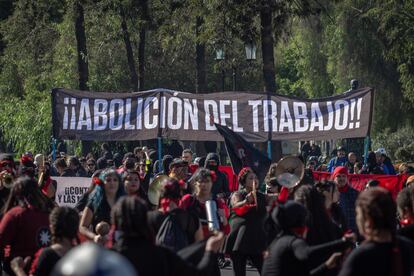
(70, 189)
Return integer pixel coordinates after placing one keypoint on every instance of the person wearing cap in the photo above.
(179, 169)
(379, 155)
(347, 196)
(339, 160)
(385, 162)
(289, 253)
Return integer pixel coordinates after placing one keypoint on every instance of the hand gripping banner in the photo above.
(257, 117)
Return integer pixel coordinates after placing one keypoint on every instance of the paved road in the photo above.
(228, 271)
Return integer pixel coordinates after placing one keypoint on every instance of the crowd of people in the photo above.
(178, 216)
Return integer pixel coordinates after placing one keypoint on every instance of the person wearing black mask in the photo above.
(221, 184)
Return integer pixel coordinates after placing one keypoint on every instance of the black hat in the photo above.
(289, 215)
(178, 162)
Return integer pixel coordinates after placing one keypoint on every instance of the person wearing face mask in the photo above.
(347, 196)
(247, 238)
(220, 186)
(100, 202)
(339, 160)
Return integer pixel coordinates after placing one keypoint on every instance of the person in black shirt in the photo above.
(382, 252)
(64, 229)
(247, 237)
(136, 244)
(289, 253)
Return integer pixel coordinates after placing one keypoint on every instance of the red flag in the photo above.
(392, 183)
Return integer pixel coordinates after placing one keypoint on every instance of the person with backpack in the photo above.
(136, 243)
(174, 227)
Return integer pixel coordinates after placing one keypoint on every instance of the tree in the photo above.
(83, 69)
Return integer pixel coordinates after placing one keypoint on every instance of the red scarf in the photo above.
(343, 189)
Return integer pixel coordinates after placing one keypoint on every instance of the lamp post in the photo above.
(220, 57)
(250, 49)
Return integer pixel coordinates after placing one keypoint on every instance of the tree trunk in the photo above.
(201, 80)
(141, 58)
(130, 55)
(269, 72)
(83, 70)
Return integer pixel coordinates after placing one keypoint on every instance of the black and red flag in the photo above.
(243, 154)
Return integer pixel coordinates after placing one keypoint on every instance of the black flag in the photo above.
(243, 154)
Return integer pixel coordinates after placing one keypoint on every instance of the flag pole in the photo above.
(269, 135)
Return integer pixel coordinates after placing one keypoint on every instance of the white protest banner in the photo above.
(70, 189)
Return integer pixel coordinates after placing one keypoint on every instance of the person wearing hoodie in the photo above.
(220, 186)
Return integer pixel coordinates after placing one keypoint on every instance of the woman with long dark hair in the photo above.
(99, 205)
(382, 252)
(25, 224)
(247, 238)
(289, 254)
(321, 228)
(136, 243)
(330, 193)
(132, 184)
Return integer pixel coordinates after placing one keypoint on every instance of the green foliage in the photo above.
(26, 122)
(399, 145)
(319, 47)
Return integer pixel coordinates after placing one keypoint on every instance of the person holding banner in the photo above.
(100, 202)
(339, 160)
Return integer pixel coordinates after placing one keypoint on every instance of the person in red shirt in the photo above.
(25, 224)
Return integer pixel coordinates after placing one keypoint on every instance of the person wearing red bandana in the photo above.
(347, 196)
(169, 206)
(405, 206)
(247, 238)
(179, 171)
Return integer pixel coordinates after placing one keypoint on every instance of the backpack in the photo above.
(171, 234)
